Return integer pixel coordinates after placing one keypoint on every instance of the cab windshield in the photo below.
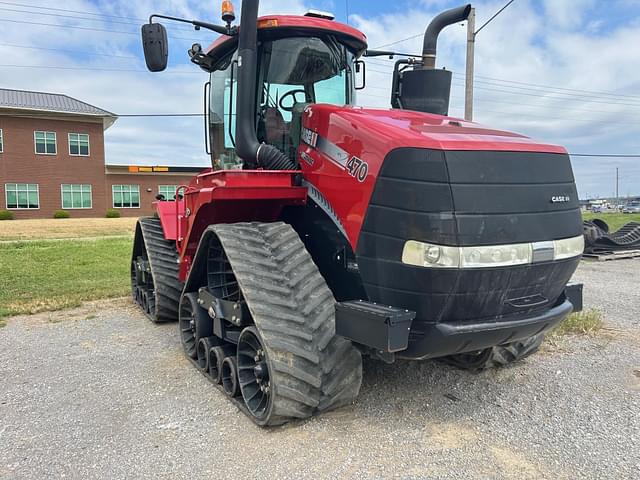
(292, 73)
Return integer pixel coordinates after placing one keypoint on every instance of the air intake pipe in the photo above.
(430, 43)
(253, 153)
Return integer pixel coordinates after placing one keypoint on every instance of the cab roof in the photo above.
(278, 26)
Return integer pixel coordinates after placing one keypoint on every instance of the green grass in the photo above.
(50, 275)
(587, 322)
(614, 220)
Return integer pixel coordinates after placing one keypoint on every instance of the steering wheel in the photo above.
(290, 93)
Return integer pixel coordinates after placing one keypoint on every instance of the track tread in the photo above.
(498, 356)
(163, 260)
(314, 369)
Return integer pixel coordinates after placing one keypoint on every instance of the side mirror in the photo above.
(360, 80)
(155, 46)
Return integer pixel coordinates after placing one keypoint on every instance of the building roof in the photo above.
(51, 102)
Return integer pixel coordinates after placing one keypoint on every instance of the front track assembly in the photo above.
(259, 321)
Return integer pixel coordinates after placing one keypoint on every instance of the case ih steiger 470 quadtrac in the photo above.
(324, 231)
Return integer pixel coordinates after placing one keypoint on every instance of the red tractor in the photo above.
(324, 231)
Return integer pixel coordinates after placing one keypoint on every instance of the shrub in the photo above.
(6, 215)
(112, 213)
(61, 214)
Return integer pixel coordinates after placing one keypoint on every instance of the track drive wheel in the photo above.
(498, 356)
(290, 362)
(194, 324)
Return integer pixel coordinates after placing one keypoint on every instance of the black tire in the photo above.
(499, 356)
(194, 323)
(164, 288)
(311, 369)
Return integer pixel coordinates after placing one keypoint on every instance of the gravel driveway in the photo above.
(100, 392)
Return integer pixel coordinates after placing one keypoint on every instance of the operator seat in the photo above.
(275, 127)
(295, 128)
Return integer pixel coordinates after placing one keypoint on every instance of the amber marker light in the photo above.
(228, 12)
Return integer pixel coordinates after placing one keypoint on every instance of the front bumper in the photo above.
(442, 339)
(449, 338)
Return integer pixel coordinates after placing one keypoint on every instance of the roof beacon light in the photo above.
(228, 13)
(320, 14)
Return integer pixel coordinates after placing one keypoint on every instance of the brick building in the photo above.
(52, 158)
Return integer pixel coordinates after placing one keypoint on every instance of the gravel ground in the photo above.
(100, 392)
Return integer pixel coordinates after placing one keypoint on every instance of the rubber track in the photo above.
(499, 356)
(294, 311)
(163, 259)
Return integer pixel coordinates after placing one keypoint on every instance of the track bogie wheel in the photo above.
(194, 324)
(229, 375)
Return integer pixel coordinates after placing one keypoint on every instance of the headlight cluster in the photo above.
(441, 256)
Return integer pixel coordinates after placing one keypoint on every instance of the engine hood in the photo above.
(405, 128)
(343, 150)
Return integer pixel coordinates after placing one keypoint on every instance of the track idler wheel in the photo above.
(253, 374)
(194, 324)
(229, 374)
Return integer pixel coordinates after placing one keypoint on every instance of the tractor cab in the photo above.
(300, 61)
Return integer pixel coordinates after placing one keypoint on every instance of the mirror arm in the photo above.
(222, 30)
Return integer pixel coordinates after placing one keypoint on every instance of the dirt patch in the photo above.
(512, 464)
(86, 311)
(450, 436)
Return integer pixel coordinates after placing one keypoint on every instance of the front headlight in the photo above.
(423, 254)
(496, 255)
(430, 255)
(568, 247)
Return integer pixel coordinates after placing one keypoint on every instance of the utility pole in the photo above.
(471, 43)
(617, 197)
(468, 86)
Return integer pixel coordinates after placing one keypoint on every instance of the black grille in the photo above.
(466, 198)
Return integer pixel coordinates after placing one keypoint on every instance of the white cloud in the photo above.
(558, 43)
(548, 46)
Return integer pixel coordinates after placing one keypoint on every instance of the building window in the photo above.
(126, 196)
(22, 195)
(1, 142)
(79, 144)
(45, 142)
(76, 196)
(168, 191)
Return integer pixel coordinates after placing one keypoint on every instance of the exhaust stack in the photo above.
(417, 85)
(253, 153)
(430, 43)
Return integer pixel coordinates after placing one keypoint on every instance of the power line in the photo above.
(92, 69)
(82, 28)
(71, 11)
(596, 93)
(78, 52)
(494, 16)
(608, 155)
(58, 15)
(399, 41)
(165, 115)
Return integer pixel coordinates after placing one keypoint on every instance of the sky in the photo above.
(561, 71)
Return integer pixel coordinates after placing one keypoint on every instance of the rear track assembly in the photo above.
(154, 272)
